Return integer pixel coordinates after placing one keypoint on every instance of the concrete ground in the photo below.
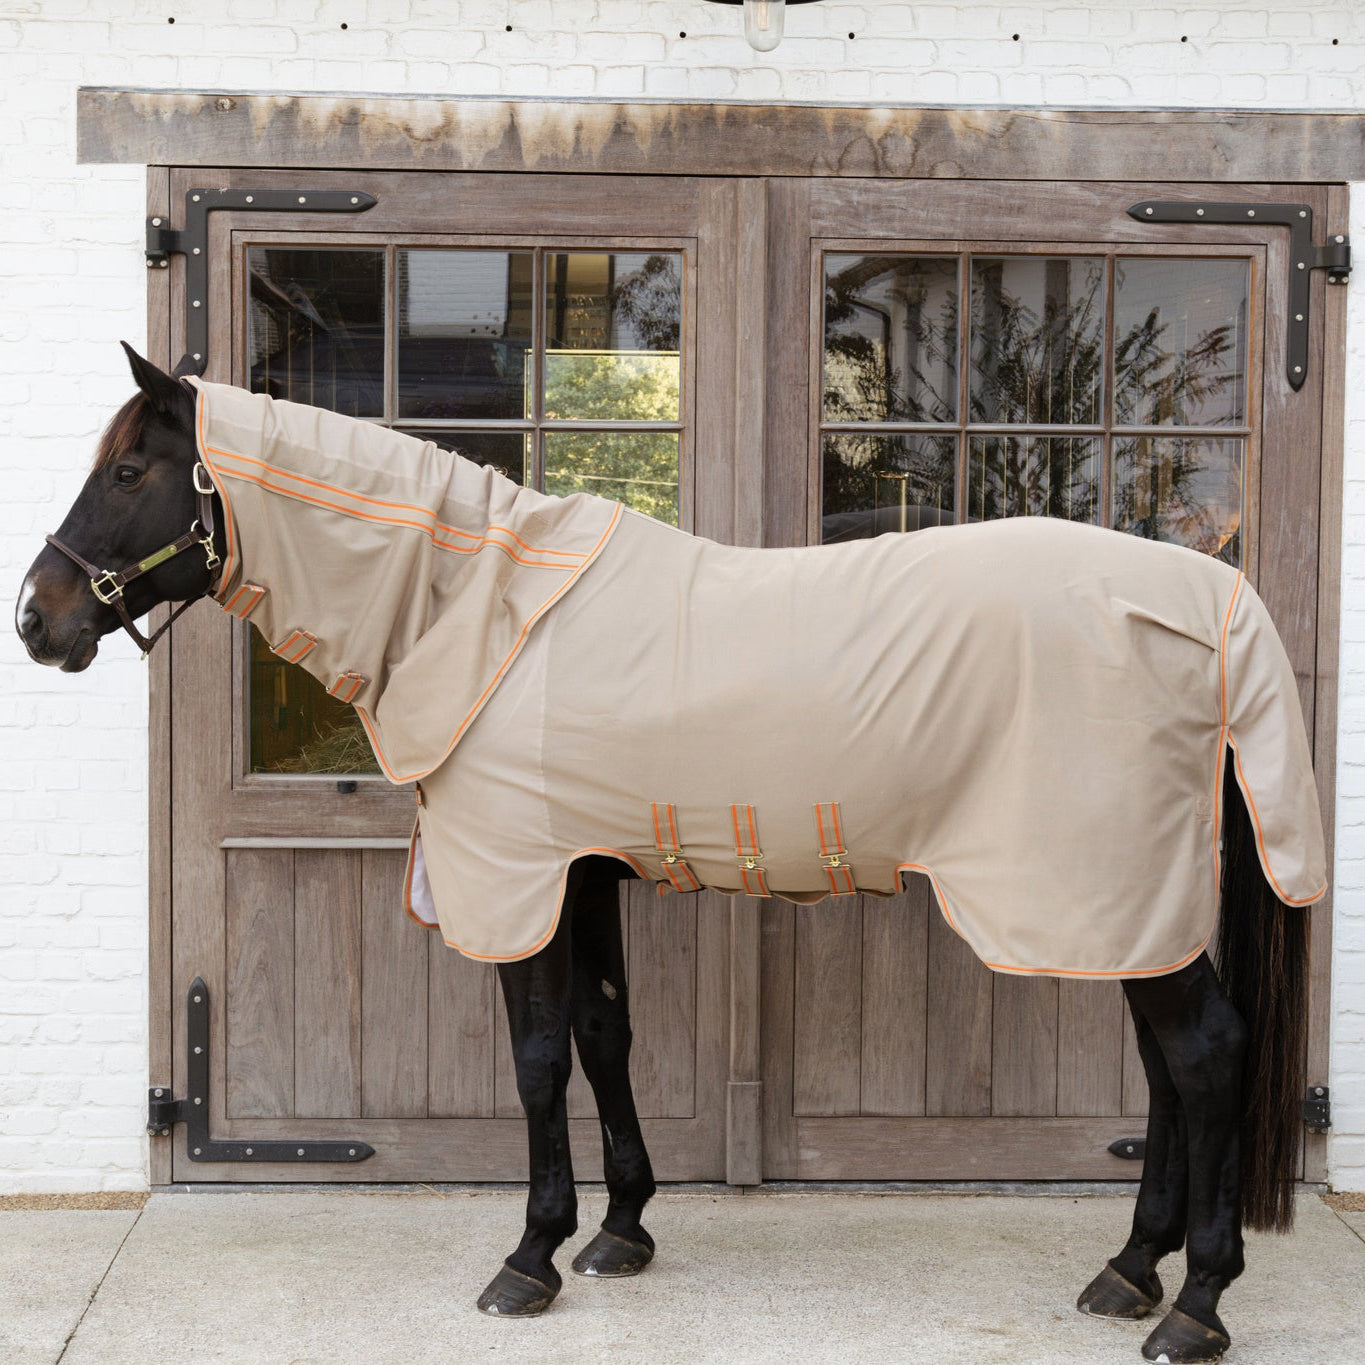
(338, 1276)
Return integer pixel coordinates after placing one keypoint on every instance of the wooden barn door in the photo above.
(579, 333)
(946, 351)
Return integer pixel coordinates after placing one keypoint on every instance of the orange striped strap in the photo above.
(666, 841)
(747, 851)
(346, 687)
(244, 601)
(832, 851)
(293, 649)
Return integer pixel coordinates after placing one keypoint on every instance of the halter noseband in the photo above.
(108, 585)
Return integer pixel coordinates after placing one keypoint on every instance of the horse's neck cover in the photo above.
(1034, 714)
(418, 574)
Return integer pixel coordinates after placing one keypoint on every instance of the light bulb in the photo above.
(763, 21)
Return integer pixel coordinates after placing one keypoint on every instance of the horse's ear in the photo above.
(166, 395)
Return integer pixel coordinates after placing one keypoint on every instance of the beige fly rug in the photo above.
(1031, 713)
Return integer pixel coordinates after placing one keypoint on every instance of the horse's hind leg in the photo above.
(1128, 1286)
(537, 993)
(1203, 1040)
(601, 1027)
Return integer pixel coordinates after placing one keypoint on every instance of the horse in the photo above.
(1223, 1049)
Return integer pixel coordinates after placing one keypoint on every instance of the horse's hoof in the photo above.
(1182, 1340)
(514, 1295)
(610, 1257)
(1109, 1295)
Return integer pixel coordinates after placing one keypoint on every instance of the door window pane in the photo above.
(295, 727)
(1180, 342)
(891, 339)
(315, 330)
(875, 483)
(1033, 476)
(464, 333)
(638, 468)
(509, 452)
(1037, 351)
(1186, 490)
(613, 322)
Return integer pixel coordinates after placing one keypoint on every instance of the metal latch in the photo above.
(1317, 1109)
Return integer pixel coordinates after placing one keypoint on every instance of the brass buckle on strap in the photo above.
(108, 579)
(832, 860)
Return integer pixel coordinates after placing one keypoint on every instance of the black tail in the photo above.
(1263, 964)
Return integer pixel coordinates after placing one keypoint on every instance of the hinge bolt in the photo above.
(198, 1151)
(300, 1151)
(157, 1093)
(1317, 1090)
(250, 1152)
(198, 1100)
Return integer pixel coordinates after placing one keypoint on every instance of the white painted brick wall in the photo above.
(73, 775)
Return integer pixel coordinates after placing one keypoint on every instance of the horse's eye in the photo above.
(127, 475)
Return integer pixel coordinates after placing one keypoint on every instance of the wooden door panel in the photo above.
(462, 1025)
(1091, 1017)
(829, 956)
(394, 984)
(260, 983)
(959, 1012)
(661, 958)
(1024, 1045)
(327, 996)
(895, 982)
(332, 1014)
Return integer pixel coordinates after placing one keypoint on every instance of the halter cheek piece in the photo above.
(108, 585)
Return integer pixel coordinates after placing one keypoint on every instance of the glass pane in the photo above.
(638, 468)
(509, 452)
(877, 483)
(464, 333)
(1186, 490)
(1180, 342)
(1037, 339)
(613, 322)
(316, 327)
(295, 726)
(890, 339)
(1033, 476)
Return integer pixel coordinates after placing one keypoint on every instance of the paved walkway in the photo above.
(340, 1277)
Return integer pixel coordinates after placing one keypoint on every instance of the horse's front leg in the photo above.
(1203, 1040)
(1128, 1286)
(537, 992)
(601, 1027)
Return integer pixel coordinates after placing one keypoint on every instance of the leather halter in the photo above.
(108, 585)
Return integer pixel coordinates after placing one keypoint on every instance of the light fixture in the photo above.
(763, 20)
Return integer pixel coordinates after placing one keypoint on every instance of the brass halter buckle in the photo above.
(108, 579)
(832, 860)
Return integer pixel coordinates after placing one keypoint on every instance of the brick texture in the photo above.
(73, 839)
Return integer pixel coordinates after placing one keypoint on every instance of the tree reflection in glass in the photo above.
(891, 339)
(1037, 352)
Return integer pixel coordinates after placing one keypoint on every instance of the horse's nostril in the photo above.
(30, 624)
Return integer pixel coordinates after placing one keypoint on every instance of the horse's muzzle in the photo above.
(72, 649)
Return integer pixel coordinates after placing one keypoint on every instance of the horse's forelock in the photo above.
(125, 430)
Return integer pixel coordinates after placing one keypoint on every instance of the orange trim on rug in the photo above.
(428, 520)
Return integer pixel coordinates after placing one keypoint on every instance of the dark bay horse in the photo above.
(1223, 1051)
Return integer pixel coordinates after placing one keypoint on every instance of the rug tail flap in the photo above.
(1273, 761)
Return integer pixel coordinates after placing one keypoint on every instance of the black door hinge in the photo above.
(193, 1110)
(1317, 1109)
(1129, 1148)
(192, 242)
(1304, 257)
